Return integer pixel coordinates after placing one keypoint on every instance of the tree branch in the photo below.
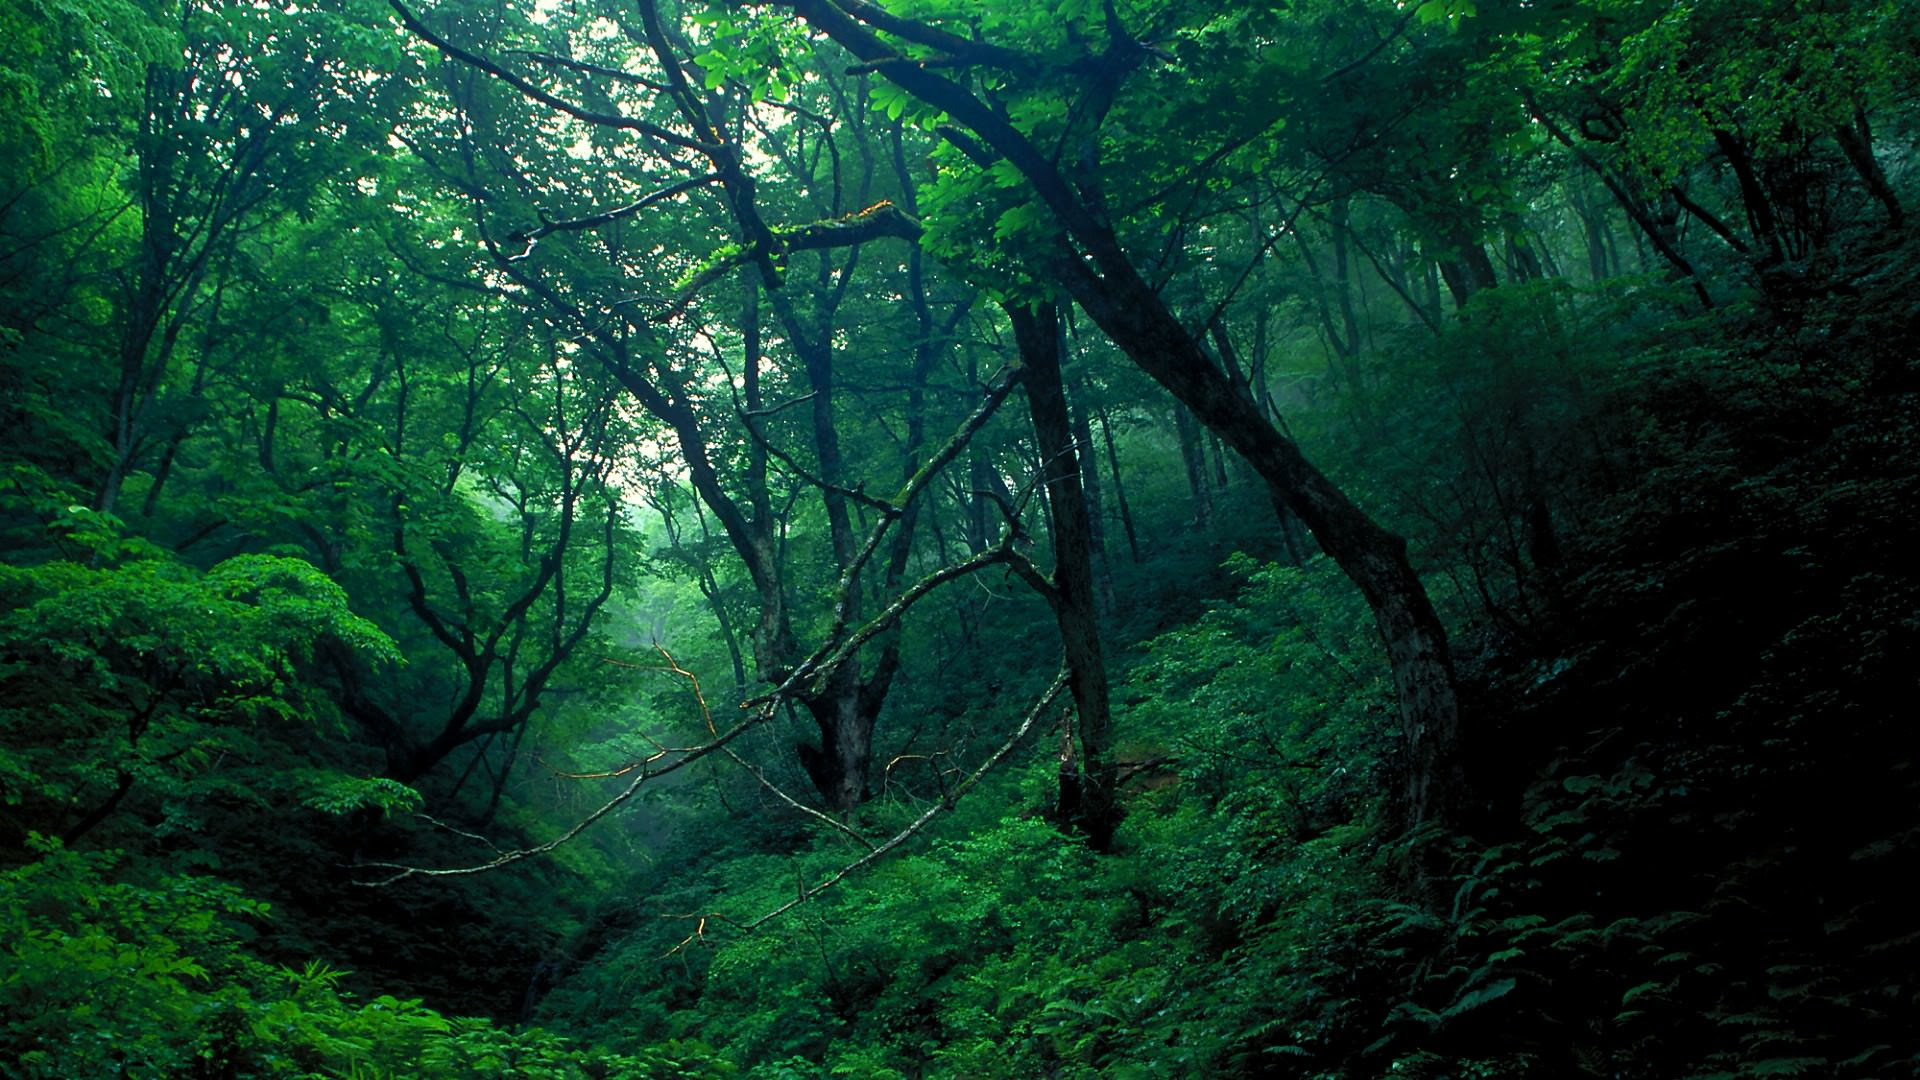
(532, 237)
(952, 799)
(963, 50)
(402, 871)
(612, 120)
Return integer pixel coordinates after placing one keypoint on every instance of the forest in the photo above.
(914, 538)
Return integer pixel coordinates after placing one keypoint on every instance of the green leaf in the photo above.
(1493, 991)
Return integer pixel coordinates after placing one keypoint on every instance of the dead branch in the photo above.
(921, 822)
(402, 871)
(673, 667)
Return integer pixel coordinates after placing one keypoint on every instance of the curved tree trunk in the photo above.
(1135, 318)
(1097, 272)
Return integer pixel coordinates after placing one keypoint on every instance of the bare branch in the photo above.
(673, 667)
(532, 237)
(402, 871)
(830, 656)
(525, 86)
(921, 822)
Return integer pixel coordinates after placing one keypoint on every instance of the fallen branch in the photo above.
(402, 871)
(921, 822)
(673, 667)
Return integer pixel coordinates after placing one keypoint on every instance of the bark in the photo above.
(1340, 345)
(1432, 304)
(1593, 229)
(838, 766)
(1086, 796)
(1520, 254)
(500, 779)
(1090, 484)
(1138, 321)
(1392, 271)
(752, 535)
(708, 584)
(1856, 141)
(1635, 207)
(1753, 195)
(1343, 337)
(1465, 267)
(123, 783)
(1468, 273)
(481, 643)
(1343, 289)
(181, 428)
(1101, 277)
(980, 477)
(847, 710)
(844, 708)
(183, 228)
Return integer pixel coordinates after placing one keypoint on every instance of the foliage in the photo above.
(375, 396)
(109, 974)
(152, 685)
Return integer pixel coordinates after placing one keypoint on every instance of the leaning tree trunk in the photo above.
(1096, 271)
(1135, 318)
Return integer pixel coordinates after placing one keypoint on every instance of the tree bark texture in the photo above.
(1091, 807)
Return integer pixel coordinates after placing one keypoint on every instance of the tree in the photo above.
(1087, 797)
(656, 357)
(1077, 242)
(142, 691)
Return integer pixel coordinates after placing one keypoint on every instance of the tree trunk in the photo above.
(845, 709)
(1636, 208)
(1593, 224)
(838, 766)
(1219, 458)
(1856, 141)
(1753, 195)
(1194, 456)
(1086, 796)
(1343, 289)
(1119, 488)
(1090, 484)
(1433, 294)
(1520, 253)
(1095, 269)
(1138, 321)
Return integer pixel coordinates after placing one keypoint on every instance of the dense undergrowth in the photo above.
(1691, 659)
(1698, 792)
